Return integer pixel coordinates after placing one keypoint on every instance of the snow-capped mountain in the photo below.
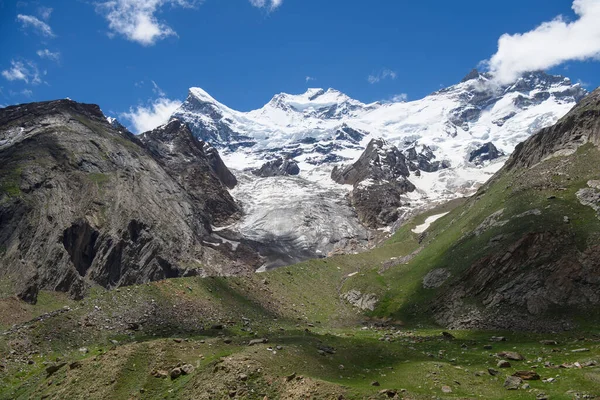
(449, 142)
(325, 127)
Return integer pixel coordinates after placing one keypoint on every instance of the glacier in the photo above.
(309, 215)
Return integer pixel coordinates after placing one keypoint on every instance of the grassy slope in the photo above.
(283, 303)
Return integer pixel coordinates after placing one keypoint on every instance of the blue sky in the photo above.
(129, 53)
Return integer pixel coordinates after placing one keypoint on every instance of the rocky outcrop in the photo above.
(424, 160)
(278, 167)
(364, 302)
(518, 286)
(580, 126)
(379, 162)
(486, 152)
(380, 178)
(83, 203)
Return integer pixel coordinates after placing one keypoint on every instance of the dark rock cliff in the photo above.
(83, 203)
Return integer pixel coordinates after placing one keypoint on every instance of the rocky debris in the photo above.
(549, 342)
(493, 372)
(513, 383)
(278, 167)
(497, 339)
(375, 383)
(436, 278)
(486, 152)
(257, 341)
(582, 350)
(360, 300)
(446, 389)
(511, 355)
(503, 364)
(527, 375)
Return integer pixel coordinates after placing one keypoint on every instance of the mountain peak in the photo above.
(202, 95)
(474, 74)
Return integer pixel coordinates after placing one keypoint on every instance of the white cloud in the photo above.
(45, 53)
(27, 92)
(157, 90)
(549, 45)
(40, 26)
(310, 78)
(156, 113)
(399, 98)
(270, 4)
(44, 13)
(22, 71)
(382, 75)
(136, 20)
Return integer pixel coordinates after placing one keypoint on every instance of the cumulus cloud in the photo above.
(22, 71)
(382, 75)
(550, 44)
(269, 4)
(38, 25)
(45, 53)
(136, 19)
(310, 78)
(147, 117)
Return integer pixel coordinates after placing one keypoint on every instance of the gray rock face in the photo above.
(580, 126)
(436, 278)
(278, 167)
(518, 285)
(486, 152)
(424, 160)
(83, 203)
(196, 166)
(361, 301)
(379, 162)
(380, 178)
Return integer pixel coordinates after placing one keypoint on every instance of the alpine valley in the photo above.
(317, 247)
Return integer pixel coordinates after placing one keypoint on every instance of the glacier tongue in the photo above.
(294, 218)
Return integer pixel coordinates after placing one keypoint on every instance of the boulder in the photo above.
(527, 375)
(513, 383)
